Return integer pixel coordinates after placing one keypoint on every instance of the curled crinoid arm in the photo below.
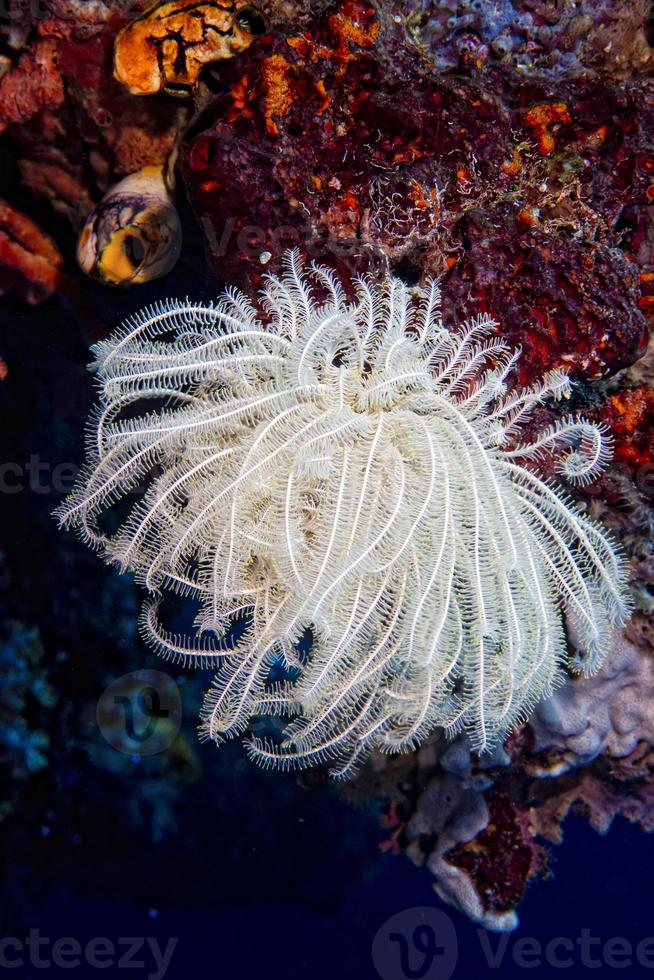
(340, 492)
(588, 449)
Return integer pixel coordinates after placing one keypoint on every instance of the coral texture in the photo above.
(351, 471)
(477, 823)
(535, 37)
(610, 712)
(29, 260)
(527, 194)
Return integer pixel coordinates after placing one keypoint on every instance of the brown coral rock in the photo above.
(34, 84)
(29, 259)
(526, 196)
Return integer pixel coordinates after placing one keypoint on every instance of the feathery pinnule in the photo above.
(353, 469)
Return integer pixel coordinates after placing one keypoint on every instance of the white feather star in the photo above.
(354, 470)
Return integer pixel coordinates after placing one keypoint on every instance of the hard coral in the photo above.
(569, 303)
(461, 819)
(79, 19)
(365, 160)
(34, 84)
(29, 260)
(534, 37)
(78, 135)
(629, 413)
(608, 714)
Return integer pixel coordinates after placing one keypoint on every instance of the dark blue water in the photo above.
(598, 903)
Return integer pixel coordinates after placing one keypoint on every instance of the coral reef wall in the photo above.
(505, 147)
